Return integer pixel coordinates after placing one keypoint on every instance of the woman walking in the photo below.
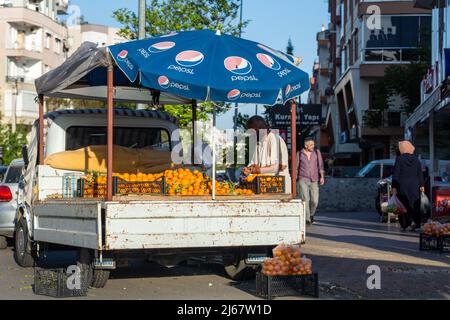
(407, 184)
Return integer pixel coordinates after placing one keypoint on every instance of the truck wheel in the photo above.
(23, 247)
(3, 243)
(100, 278)
(85, 263)
(239, 271)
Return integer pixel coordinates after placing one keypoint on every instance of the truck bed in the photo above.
(138, 222)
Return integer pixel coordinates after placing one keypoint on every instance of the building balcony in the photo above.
(62, 7)
(23, 52)
(19, 79)
(383, 123)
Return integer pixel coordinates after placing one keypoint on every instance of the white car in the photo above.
(8, 200)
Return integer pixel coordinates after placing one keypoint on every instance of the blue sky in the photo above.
(272, 22)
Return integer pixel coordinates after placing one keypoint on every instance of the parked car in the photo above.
(8, 200)
(377, 169)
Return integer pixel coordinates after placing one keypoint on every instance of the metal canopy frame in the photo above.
(110, 125)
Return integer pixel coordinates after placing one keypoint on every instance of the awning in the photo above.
(83, 76)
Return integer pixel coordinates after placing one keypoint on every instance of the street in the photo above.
(341, 245)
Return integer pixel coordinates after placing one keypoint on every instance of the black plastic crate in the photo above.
(445, 244)
(86, 189)
(53, 283)
(269, 287)
(266, 184)
(428, 242)
(156, 187)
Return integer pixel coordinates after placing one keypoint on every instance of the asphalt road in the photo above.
(342, 246)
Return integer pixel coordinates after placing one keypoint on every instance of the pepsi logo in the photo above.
(233, 94)
(268, 61)
(238, 65)
(122, 55)
(163, 82)
(161, 46)
(189, 58)
(288, 90)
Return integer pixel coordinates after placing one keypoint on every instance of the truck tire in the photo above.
(85, 259)
(3, 243)
(238, 270)
(23, 246)
(100, 278)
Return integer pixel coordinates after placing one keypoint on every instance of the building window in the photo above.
(48, 40)
(398, 38)
(58, 46)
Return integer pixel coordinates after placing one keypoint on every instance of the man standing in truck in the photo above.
(270, 155)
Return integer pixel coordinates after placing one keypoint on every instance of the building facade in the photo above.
(32, 43)
(99, 34)
(365, 38)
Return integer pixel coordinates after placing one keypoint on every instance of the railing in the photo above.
(19, 79)
(20, 46)
(382, 118)
(389, 55)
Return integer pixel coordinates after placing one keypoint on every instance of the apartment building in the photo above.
(365, 38)
(321, 92)
(32, 42)
(99, 34)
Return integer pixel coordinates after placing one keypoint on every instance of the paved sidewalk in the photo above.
(344, 245)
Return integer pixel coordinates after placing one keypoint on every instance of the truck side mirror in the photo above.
(26, 159)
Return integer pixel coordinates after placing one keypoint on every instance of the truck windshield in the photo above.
(78, 137)
(13, 174)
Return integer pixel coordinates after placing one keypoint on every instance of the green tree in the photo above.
(242, 120)
(168, 16)
(401, 81)
(12, 142)
(290, 48)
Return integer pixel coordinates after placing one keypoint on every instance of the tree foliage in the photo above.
(12, 142)
(401, 81)
(168, 16)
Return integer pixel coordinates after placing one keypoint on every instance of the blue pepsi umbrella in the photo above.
(209, 66)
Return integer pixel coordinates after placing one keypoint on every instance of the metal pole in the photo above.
(194, 130)
(110, 132)
(213, 145)
(294, 147)
(236, 113)
(142, 33)
(41, 129)
(432, 169)
(142, 19)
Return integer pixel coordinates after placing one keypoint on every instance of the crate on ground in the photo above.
(428, 242)
(269, 287)
(445, 244)
(266, 184)
(57, 283)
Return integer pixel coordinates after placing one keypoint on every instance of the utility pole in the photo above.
(14, 106)
(142, 33)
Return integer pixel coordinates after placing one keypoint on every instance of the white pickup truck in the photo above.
(162, 229)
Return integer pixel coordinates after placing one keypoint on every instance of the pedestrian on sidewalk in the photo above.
(408, 184)
(311, 173)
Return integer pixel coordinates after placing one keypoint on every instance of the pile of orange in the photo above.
(432, 228)
(186, 182)
(287, 261)
(179, 182)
